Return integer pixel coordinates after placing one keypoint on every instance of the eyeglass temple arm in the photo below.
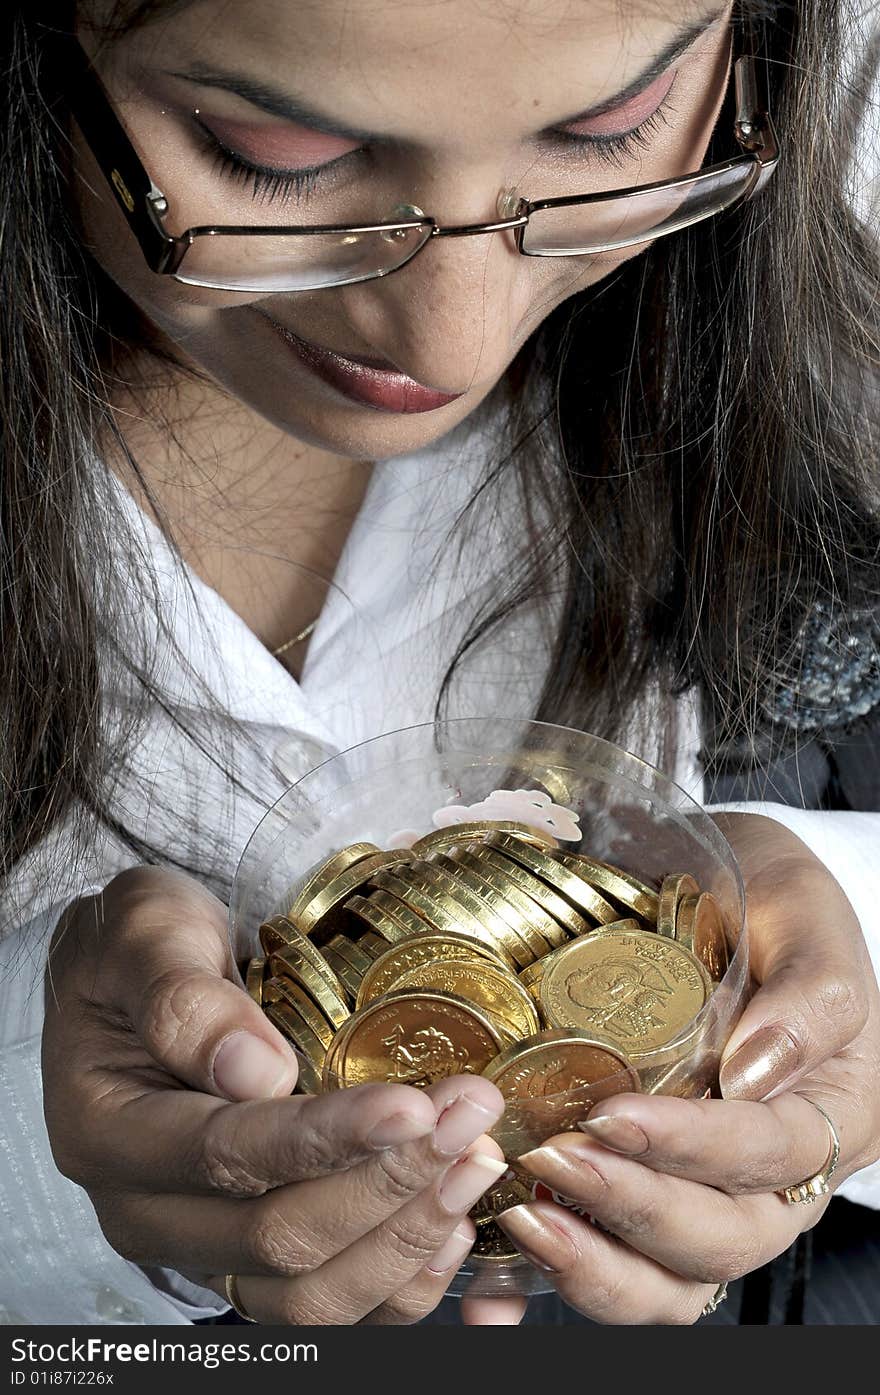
(141, 202)
(753, 125)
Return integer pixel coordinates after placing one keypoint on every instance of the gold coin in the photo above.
(288, 991)
(492, 1245)
(349, 950)
(530, 917)
(635, 987)
(530, 977)
(326, 871)
(324, 912)
(300, 959)
(551, 1081)
(494, 894)
(495, 991)
(310, 1050)
(699, 926)
(412, 1039)
(626, 890)
(372, 945)
(673, 889)
(523, 943)
(349, 977)
(443, 838)
(254, 980)
(509, 1190)
(381, 906)
(573, 888)
(384, 973)
(392, 930)
(532, 886)
(448, 918)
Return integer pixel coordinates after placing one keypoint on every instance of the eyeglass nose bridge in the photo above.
(512, 213)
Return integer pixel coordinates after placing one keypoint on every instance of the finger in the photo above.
(809, 957)
(153, 947)
(735, 1145)
(373, 1270)
(597, 1274)
(179, 1141)
(493, 1312)
(420, 1297)
(693, 1230)
(383, 1262)
(294, 1229)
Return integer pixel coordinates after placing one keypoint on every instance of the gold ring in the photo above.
(233, 1297)
(717, 1297)
(818, 1184)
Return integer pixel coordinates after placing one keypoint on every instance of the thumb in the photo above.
(154, 947)
(809, 958)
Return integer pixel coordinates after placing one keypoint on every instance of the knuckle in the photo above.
(640, 1217)
(841, 999)
(399, 1177)
(611, 1299)
(406, 1307)
(403, 1237)
(171, 1006)
(221, 1165)
(306, 1306)
(686, 1310)
(276, 1243)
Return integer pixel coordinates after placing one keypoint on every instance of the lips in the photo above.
(372, 382)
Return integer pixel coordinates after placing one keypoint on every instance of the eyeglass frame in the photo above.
(145, 206)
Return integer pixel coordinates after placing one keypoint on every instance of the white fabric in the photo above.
(374, 665)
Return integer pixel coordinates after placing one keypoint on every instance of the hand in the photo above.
(688, 1189)
(345, 1208)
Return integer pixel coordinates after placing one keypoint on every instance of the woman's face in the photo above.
(448, 105)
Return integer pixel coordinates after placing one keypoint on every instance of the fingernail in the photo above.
(246, 1068)
(460, 1123)
(538, 1241)
(576, 1162)
(466, 1181)
(760, 1065)
(618, 1133)
(452, 1251)
(396, 1129)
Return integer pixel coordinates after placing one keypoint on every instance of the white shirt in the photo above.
(373, 665)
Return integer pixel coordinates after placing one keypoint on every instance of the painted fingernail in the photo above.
(452, 1251)
(618, 1133)
(466, 1181)
(539, 1241)
(247, 1068)
(459, 1124)
(761, 1064)
(574, 1162)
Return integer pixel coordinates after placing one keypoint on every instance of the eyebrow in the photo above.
(277, 102)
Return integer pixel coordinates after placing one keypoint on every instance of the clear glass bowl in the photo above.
(390, 789)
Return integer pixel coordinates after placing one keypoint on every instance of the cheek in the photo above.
(176, 308)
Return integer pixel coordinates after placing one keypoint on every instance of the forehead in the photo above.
(395, 66)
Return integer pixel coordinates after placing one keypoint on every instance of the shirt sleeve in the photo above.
(848, 843)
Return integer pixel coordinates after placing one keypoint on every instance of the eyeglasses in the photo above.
(307, 258)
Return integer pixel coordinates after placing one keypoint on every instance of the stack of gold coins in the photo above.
(486, 948)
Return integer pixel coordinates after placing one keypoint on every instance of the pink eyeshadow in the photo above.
(631, 114)
(284, 147)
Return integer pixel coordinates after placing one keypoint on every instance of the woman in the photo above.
(660, 463)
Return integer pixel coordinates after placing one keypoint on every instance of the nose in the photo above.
(447, 318)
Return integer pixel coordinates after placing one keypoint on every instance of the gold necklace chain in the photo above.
(297, 639)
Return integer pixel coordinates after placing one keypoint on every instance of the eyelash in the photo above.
(615, 150)
(268, 184)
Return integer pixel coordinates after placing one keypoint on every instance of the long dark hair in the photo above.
(703, 425)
